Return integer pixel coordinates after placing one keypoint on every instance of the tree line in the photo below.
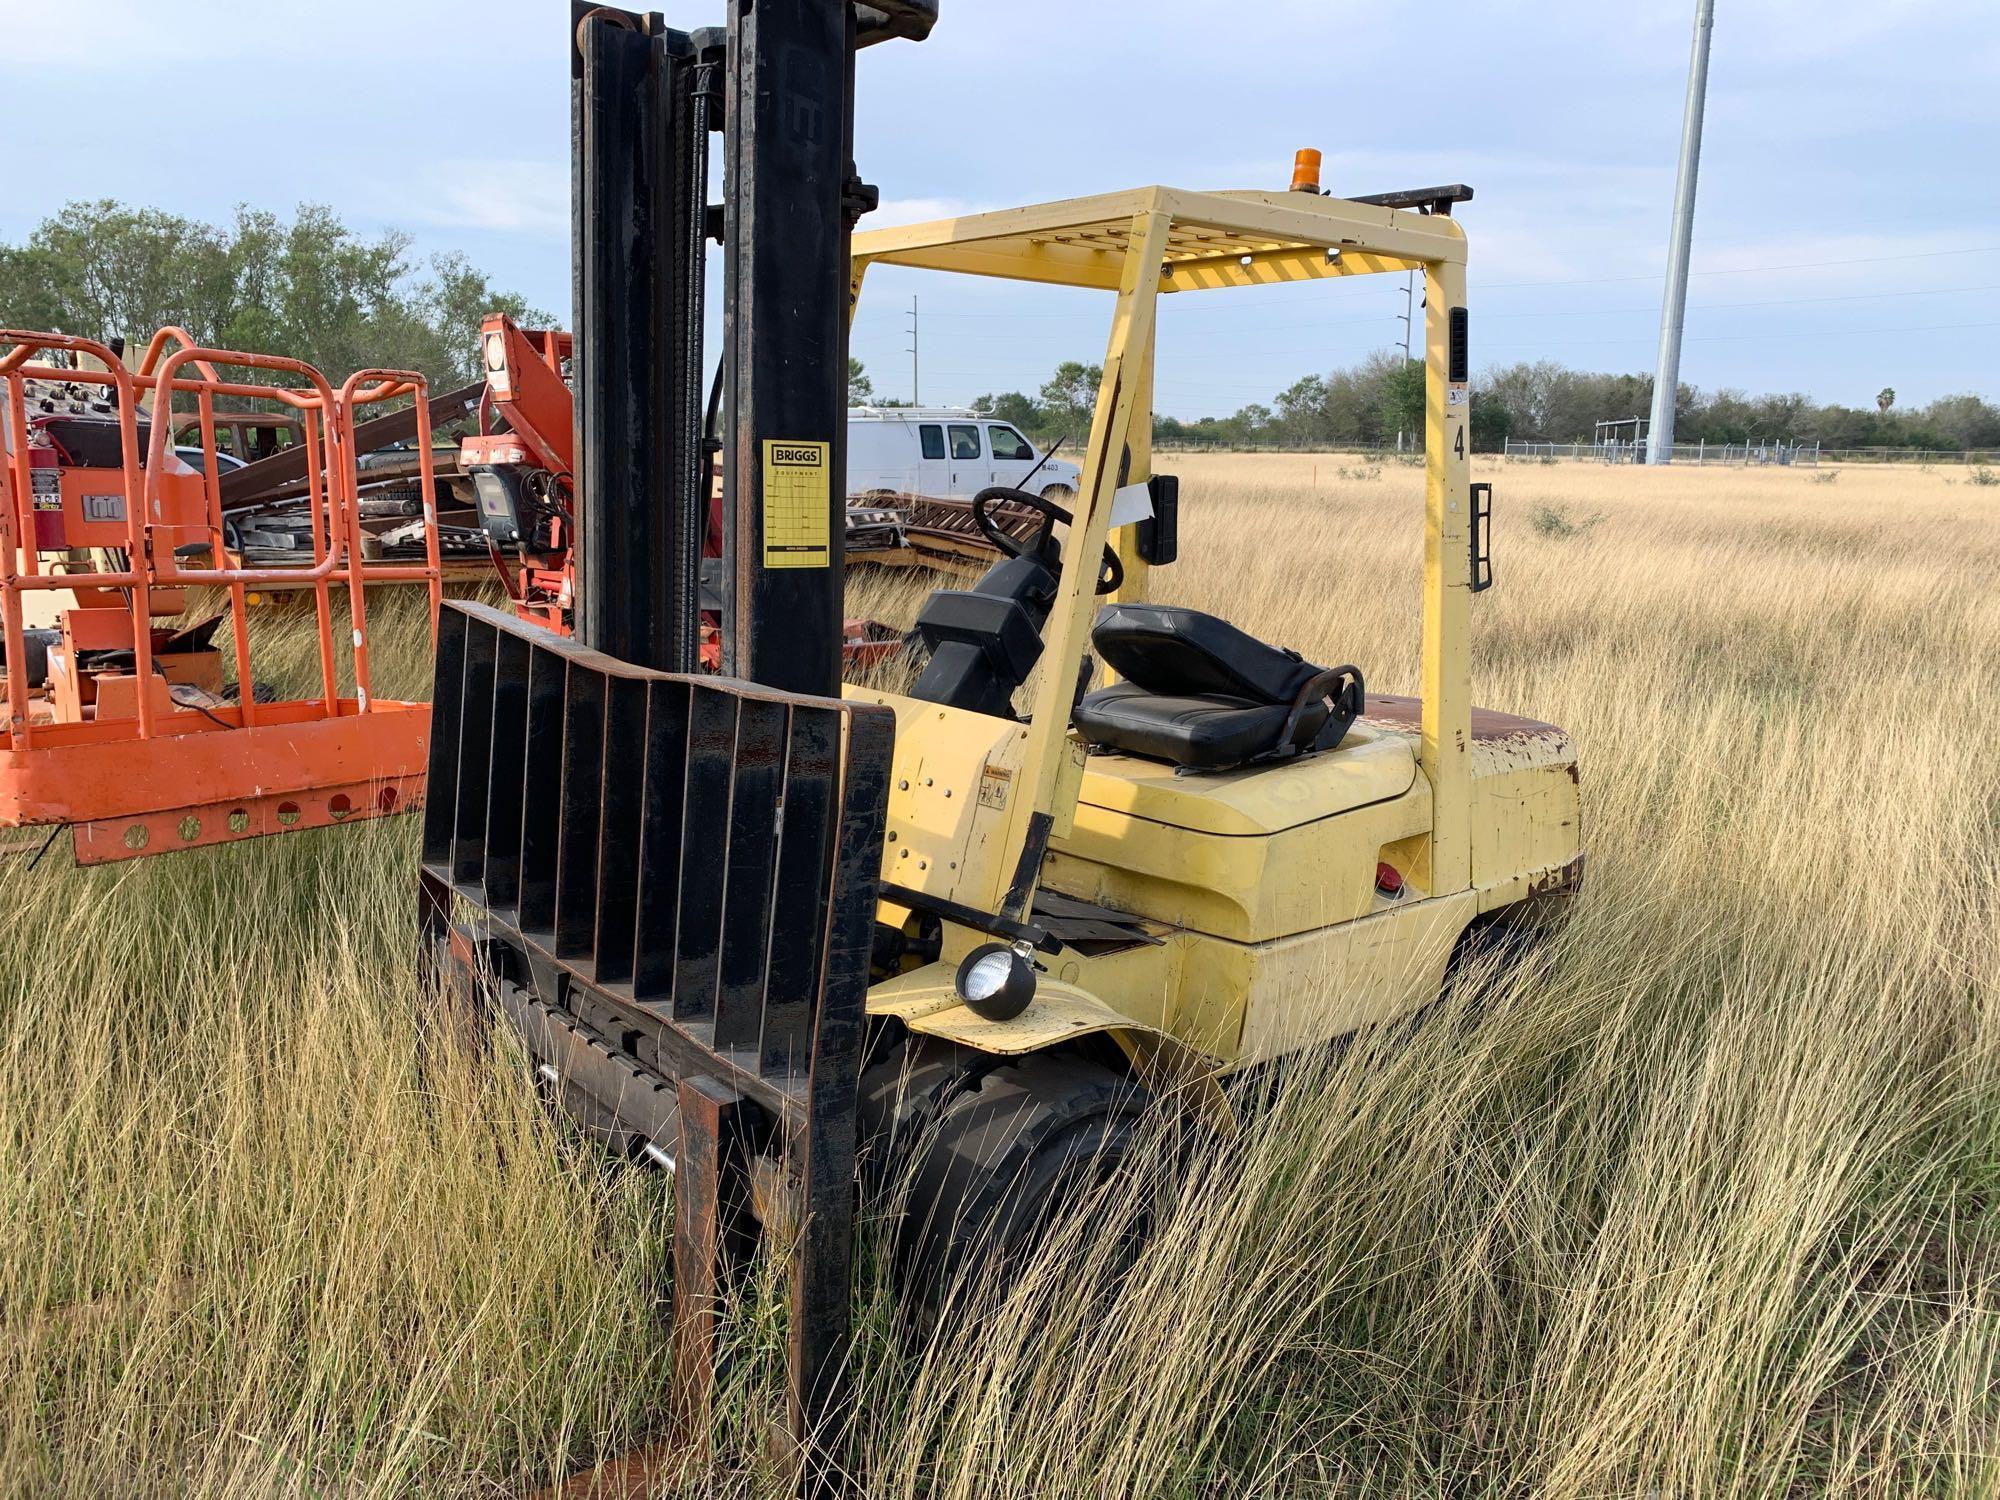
(312, 288)
(1371, 402)
(308, 287)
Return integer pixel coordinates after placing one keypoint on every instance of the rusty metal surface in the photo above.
(1487, 723)
(953, 518)
(1564, 880)
(880, 20)
(940, 534)
(713, 1240)
(637, 1475)
(284, 473)
(673, 884)
(1500, 741)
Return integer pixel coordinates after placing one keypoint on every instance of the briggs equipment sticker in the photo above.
(798, 505)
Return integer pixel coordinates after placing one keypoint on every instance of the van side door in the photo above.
(933, 461)
(1013, 455)
(969, 465)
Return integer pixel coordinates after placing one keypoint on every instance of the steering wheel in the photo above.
(1110, 573)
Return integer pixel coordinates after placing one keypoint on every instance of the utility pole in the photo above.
(916, 397)
(1667, 379)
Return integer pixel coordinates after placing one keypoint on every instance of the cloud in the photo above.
(510, 196)
(895, 212)
(127, 36)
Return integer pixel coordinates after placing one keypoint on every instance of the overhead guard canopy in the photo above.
(1216, 240)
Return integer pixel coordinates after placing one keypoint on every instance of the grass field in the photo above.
(1701, 1201)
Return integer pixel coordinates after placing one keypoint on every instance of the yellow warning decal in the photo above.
(798, 505)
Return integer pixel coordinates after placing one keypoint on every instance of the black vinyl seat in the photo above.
(1203, 695)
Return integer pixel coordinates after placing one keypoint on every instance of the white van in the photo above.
(943, 452)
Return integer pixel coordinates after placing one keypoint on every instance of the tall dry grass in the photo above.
(1699, 1200)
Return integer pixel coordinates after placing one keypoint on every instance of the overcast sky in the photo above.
(1847, 235)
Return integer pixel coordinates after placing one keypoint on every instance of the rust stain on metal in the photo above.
(630, 1476)
(1500, 741)
(1563, 880)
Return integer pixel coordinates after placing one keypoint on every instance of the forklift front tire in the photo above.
(1009, 1154)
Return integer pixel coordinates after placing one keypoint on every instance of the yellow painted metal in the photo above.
(1260, 884)
(1068, 626)
(1216, 240)
(1244, 889)
(1061, 1012)
(925, 1001)
(1446, 744)
(955, 782)
(1319, 985)
(1372, 765)
(955, 777)
(856, 270)
(1135, 586)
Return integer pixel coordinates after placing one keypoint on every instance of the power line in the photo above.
(1296, 325)
(1502, 286)
(1797, 265)
(1792, 333)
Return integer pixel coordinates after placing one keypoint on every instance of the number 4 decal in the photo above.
(1458, 443)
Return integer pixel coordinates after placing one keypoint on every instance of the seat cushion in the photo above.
(1183, 652)
(1209, 732)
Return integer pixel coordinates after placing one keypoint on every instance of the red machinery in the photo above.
(119, 723)
(522, 466)
(522, 463)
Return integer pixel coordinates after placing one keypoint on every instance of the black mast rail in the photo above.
(667, 882)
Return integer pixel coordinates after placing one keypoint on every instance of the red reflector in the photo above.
(1388, 879)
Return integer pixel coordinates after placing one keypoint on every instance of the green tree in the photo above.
(1302, 412)
(860, 389)
(1490, 423)
(1403, 399)
(309, 288)
(1965, 421)
(1069, 401)
(1014, 408)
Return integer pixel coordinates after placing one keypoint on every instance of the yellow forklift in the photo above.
(741, 921)
(1228, 854)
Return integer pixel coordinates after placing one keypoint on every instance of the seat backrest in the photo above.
(1183, 652)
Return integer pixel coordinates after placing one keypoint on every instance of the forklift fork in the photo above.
(667, 884)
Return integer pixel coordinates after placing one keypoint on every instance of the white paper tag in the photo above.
(1132, 503)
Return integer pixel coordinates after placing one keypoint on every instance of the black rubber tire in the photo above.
(988, 1151)
(35, 646)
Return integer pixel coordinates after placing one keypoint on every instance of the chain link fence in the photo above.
(1613, 451)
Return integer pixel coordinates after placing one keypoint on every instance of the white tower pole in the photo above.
(1667, 380)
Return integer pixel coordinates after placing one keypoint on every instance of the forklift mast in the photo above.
(666, 881)
(778, 83)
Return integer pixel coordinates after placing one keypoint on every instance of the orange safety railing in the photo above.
(287, 764)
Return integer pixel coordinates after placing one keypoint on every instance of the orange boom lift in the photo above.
(522, 463)
(118, 722)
